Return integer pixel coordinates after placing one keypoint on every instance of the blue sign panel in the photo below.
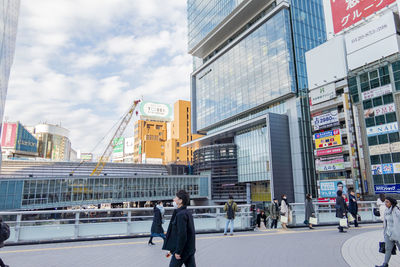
(387, 189)
(330, 188)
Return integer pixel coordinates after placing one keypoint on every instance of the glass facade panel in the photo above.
(253, 155)
(257, 70)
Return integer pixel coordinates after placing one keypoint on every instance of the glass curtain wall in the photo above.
(253, 155)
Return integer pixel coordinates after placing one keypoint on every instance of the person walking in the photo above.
(309, 210)
(4, 234)
(284, 211)
(230, 208)
(261, 216)
(380, 202)
(391, 228)
(353, 206)
(181, 236)
(340, 208)
(156, 228)
(274, 213)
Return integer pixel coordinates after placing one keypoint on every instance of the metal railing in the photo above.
(326, 213)
(63, 225)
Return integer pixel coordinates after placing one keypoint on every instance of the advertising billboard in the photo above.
(129, 145)
(387, 189)
(329, 188)
(328, 139)
(326, 120)
(383, 90)
(322, 94)
(155, 110)
(9, 134)
(330, 164)
(348, 12)
(379, 149)
(118, 148)
(25, 141)
(86, 157)
(329, 151)
(387, 168)
(380, 110)
(383, 129)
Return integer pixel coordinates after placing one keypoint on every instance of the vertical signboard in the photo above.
(9, 134)
(118, 148)
(348, 12)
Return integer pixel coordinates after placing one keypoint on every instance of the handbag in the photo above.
(382, 248)
(313, 220)
(350, 217)
(284, 219)
(358, 218)
(343, 222)
(377, 212)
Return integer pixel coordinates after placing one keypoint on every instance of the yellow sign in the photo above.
(328, 141)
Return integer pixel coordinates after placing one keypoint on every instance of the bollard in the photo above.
(129, 222)
(76, 233)
(18, 227)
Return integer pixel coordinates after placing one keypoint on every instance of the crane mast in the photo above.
(118, 133)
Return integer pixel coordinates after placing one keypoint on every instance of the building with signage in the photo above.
(17, 142)
(366, 64)
(53, 142)
(9, 21)
(178, 133)
(249, 93)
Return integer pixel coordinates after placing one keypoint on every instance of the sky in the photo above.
(81, 63)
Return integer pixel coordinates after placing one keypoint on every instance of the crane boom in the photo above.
(118, 133)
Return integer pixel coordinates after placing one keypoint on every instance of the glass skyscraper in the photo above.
(249, 87)
(9, 10)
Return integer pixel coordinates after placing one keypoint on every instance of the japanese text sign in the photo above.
(348, 12)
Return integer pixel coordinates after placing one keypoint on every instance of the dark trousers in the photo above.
(259, 223)
(274, 223)
(189, 262)
(355, 219)
(2, 263)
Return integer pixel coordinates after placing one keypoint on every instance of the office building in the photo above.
(178, 133)
(9, 21)
(363, 55)
(249, 94)
(53, 142)
(17, 142)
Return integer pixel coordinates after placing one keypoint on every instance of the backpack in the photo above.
(230, 212)
(4, 232)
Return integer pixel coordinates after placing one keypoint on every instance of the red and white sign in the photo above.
(329, 151)
(348, 12)
(383, 90)
(9, 134)
(380, 110)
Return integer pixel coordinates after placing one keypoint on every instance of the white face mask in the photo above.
(174, 204)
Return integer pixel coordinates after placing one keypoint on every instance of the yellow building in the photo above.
(178, 133)
(150, 137)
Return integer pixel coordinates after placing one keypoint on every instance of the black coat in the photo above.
(340, 207)
(353, 208)
(156, 227)
(181, 235)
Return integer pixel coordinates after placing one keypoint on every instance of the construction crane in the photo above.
(118, 133)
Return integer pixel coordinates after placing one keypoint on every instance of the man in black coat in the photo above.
(181, 236)
(156, 227)
(353, 207)
(340, 208)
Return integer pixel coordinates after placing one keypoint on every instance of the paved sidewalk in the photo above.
(362, 250)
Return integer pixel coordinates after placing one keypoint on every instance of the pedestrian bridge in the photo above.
(297, 247)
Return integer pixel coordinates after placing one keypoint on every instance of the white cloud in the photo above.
(83, 62)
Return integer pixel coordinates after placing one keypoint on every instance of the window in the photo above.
(372, 140)
(386, 158)
(388, 178)
(396, 157)
(377, 101)
(380, 119)
(177, 151)
(375, 159)
(177, 143)
(390, 117)
(394, 137)
(397, 178)
(378, 179)
(370, 122)
(388, 99)
(367, 104)
(158, 127)
(383, 139)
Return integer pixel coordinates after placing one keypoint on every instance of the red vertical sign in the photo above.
(347, 12)
(9, 134)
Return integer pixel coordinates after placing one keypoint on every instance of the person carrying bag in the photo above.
(391, 229)
(341, 211)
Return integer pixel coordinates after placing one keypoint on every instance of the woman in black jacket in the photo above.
(181, 235)
(340, 208)
(156, 227)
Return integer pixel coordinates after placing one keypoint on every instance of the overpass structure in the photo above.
(44, 185)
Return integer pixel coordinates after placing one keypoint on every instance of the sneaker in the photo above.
(231, 234)
(151, 244)
(225, 233)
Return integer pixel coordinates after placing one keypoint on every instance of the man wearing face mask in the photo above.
(181, 236)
